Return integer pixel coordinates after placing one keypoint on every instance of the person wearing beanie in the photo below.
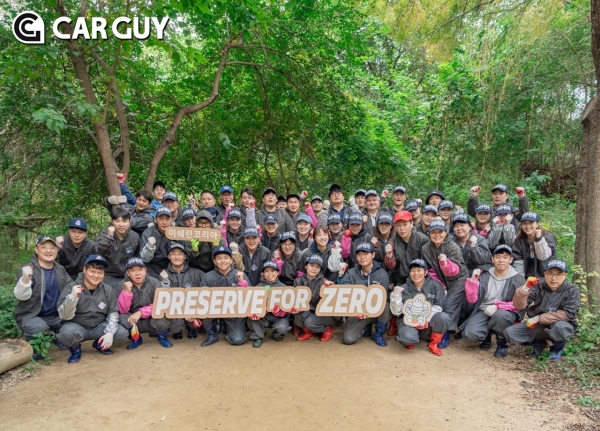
(446, 265)
(476, 252)
(503, 230)
(225, 275)
(430, 212)
(75, 248)
(434, 328)
(116, 244)
(483, 219)
(180, 274)
(254, 255)
(367, 272)
(552, 305)
(500, 197)
(277, 319)
(135, 295)
(533, 247)
(490, 297)
(89, 311)
(308, 320)
(288, 259)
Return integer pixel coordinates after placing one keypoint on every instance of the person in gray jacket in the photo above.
(367, 272)
(288, 259)
(502, 227)
(116, 244)
(534, 247)
(135, 295)
(180, 274)
(155, 245)
(491, 297)
(75, 248)
(37, 289)
(141, 210)
(419, 282)
(476, 252)
(89, 310)
(321, 247)
(254, 255)
(269, 197)
(407, 246)
(225, 275)
(321, 214)
(499, 197)
(446, 265)
(552, 306)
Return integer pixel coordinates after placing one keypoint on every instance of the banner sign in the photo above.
(225, 302)
(352, 300)
(190, 233)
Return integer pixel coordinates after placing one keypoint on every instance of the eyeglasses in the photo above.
(206, 224)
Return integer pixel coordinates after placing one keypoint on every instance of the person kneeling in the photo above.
(366, 272)
(552, 311)
(437, 325)
(491, 299)
(136, 298)
(89, 310)
(278, 319)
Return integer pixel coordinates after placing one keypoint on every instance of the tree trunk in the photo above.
(587, 249)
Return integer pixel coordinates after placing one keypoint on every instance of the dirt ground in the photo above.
(304, 385)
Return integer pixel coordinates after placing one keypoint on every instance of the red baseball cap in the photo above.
(403, 215)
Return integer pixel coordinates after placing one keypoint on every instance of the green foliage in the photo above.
(42, 343)
(8, 324)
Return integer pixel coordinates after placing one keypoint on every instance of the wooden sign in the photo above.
(416, 310)
(190, 233)
(352, 300)
(225, 302)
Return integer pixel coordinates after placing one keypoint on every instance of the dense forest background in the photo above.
(295, 95)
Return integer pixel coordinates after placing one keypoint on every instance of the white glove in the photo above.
(442, 258)
(509, 218)
(106, 341)
(375, 241)
(27, 273)
(343, 268)
(473, 241)
(76, 291)
(111, 230)
(351, 201)
(490, 310)
(164, 275)
(475, 190)
(396, 301)
(326, 204)
(150, 224)
(235, 249)
(365, 219)
(389, 250)
(355, 208)
(385, 193)
(476, 274)
(335, 257)
(60, 241)
(434, 310)
(113, 200)
(304, 194)
(496, 220)
(151, 241)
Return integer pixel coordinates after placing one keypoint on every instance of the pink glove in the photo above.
(346, 244)
(472, 290)
(299, 274)
(520, 191)
(508, 306)
(279, 262)
(475, 190)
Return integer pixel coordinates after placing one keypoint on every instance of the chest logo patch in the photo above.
(101, 306)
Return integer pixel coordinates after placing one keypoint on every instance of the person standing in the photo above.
(75, 248)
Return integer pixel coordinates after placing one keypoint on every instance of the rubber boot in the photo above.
(161, 337)
(277, 336)
(306, 336)
(213, 337)
(445, 340)
(326, 336)
(178, 336)
(501, 347)
(393, 329)
(368, 330)
(75, 354)
(556, 350)
(434, 343)
(538, 348)
(134, 344)
(59, 345)
(96, 345)
(410, 346)
(192, 334)
(295, 330)
(487, 343)
(379, 332)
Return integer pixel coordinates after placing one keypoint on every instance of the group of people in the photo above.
(489, 271)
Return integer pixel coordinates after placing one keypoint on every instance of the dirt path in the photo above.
(308, 386)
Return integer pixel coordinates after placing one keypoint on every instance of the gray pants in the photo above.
(38, 324)
(236, 330)
(177, 325)
(476, 327)
(146, 325)
(312, 322)
(439, 324)
(454, 302)
(281, 325)
(353, 327)
(112, 281)
(73, 333)
(519, 334)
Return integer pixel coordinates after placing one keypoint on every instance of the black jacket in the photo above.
(405, 253)
(430, 253)
(255, 263)
(72, 259)
(116, 252)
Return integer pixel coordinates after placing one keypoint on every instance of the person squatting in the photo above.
(490, 271)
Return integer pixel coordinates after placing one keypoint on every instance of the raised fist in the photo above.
(508, 219)
(538, 232)
(231, 205)
(195, 243)
(60, 241)
(326, 204)
(487, 227)
(127, 286)
(294, 311)
(375, 241)
(532, 281)
(327, 282)
(234, 247)
(490, 310)
(532, 321)
(475, 190)
(164, 275)
(365, 219)
(150, 224)
(476, 274)
(496, 220)
(520, 191)
(304, 194)
(276, 309)
(473, 241)
(442, 258)
(347, 233)
(151, 241)
(121, 177)
(277, 255)
(197, 323)
(76, 291)
(343, 268)
(111, 230)
(420, 201)
(26, 274)
(385, 193)
(336, 244)
(389, 250)
(306, 205)
(239, 276)
(351, 201)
